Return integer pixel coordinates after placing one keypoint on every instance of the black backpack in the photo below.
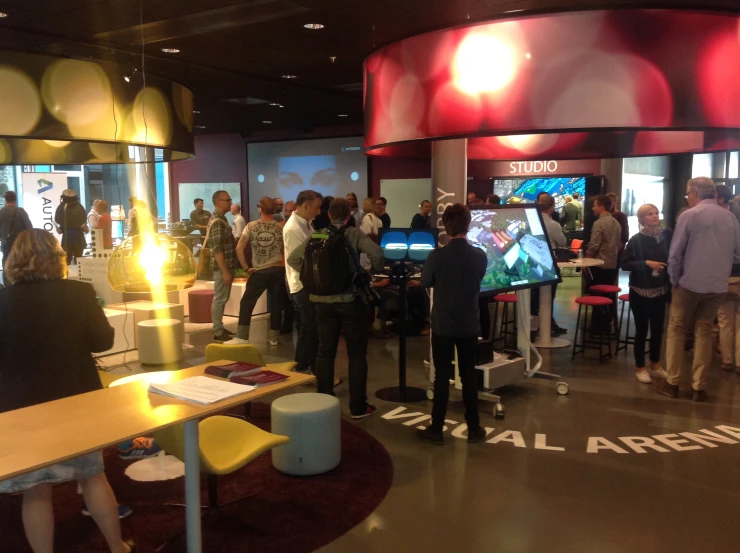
(328, 267)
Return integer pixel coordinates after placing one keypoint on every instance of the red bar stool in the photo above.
(508, 327)
(608, 291)
(604, 339)
(623, 343)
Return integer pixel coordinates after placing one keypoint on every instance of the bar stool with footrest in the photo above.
(604, 338)
(508, 327)
(608, 291)
(623, 343)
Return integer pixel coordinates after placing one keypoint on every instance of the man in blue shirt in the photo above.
(705, 245)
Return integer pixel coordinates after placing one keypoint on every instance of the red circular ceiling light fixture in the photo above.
(592, 84)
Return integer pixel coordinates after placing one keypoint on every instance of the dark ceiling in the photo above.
(239, 50)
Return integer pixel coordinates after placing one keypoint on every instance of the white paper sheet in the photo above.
(200, 389)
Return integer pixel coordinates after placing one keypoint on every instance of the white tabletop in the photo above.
(582, 262)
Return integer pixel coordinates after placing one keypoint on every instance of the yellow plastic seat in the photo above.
(106, 378)
(226, 443)
(245, 353)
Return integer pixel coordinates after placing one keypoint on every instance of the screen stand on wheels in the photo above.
(401, 393)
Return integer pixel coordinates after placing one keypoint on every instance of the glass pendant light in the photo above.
(151, 263)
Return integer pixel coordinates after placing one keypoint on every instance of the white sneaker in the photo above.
(236, 342)
(644, 377)
(273, 341)
(660, 373)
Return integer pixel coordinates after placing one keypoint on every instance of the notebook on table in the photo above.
(262, 378)
(233, 369)
(201, 389)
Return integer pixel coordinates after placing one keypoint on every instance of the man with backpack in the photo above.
(329, 266)
(13, 221)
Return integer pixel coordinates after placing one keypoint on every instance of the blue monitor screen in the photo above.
(413, 245)
(516, 191)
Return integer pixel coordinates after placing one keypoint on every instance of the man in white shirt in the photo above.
(295, 233)
(94, 216)
(354, 208)
(239, 223)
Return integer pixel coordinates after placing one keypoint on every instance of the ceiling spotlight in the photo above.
(267, 122)
(289, 77)
(171, 50)
(332, 59)
(528, 56)
(342, 115)
(3, 14)
(200, 126)
(276, 105)
(127, 78)
(314, 26)
(130, 74)
(196, 111)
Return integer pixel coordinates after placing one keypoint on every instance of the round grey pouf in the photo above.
(313, 423)
(160, 341)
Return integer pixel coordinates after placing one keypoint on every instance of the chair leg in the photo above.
(575, 338)
(212, 491)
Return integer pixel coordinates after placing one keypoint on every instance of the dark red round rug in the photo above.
(282, 513)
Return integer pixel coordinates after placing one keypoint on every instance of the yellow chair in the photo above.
(226, 445)
(245, 353)
(106, 378)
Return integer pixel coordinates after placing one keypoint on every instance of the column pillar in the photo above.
(145, 179)
(449, 179)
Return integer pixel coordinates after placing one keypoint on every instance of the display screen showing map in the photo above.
(517, 247)
(525, 191)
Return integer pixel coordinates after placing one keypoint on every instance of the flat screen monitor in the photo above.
(517, 246)
(404, 244)
(525, 191)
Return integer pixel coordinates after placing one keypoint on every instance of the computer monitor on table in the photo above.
(515, 240)
(403, 244)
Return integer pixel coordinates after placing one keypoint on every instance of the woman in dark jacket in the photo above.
(646, 258)
(48, 330)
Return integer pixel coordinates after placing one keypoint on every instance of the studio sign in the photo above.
(519, 167)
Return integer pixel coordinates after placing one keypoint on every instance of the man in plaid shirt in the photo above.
(220, 239)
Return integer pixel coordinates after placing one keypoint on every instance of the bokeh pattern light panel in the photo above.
(579, 84)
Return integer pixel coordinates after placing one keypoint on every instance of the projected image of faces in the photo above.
(318, 173)
(516, 246)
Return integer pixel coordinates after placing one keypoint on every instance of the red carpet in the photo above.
(295, 514)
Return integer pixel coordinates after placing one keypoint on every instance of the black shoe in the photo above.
(475, 435)
(229, 333)
(369, 410)
(558, 330)
(429, 435)
(666, 389)
(700, 395)
(222, 337)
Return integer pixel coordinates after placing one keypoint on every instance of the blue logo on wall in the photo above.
(44, 185)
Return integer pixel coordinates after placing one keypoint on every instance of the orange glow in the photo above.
(483, 63)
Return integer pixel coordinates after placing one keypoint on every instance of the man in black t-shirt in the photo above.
(380, 205)
(199, 216)
(421, 219)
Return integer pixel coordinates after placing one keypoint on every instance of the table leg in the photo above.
(192, 487)
(545, 339)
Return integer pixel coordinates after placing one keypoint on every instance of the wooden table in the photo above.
(70, 427)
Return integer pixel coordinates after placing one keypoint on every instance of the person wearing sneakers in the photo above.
(220, 239)
(645, 258)
(455, 272)
(346, 311)
(705, 245)
(265, 236)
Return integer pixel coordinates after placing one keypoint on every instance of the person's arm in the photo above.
(194, 220)
(625, 228)
(367, 225)
(296, 255)
(427, 273)
(563, 217)
(557, 236)
(99, 330)
(630, 258)
(241, 245)
(596, 236)
(372, 250)
(678, 249)
(24, 219)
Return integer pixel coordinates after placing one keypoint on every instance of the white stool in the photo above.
(313, 424)
(160, 341)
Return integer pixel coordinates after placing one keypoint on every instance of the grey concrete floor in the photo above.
(513, 497)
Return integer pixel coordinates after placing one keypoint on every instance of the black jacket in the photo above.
(47, 333)
(643, 248)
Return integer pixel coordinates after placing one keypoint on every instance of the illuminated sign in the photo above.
(526, 167)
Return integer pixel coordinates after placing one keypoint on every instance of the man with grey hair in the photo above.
(705, 245)
(570, 215)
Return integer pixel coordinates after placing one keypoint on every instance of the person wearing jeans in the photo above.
(265, 237)
(645, 257)
(220, 240)
(728, 316)
(705, 245)
(455, 272)
(295, 233)
(347, 310)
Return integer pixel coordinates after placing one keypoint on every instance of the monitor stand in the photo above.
(402, 393)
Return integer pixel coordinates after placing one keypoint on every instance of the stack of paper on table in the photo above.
(200, 389)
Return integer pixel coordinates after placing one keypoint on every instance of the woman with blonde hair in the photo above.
(371, 223)
(50, 327)
(646, 258)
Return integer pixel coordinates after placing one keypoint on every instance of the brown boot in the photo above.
(666, 389)
(700, 395)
